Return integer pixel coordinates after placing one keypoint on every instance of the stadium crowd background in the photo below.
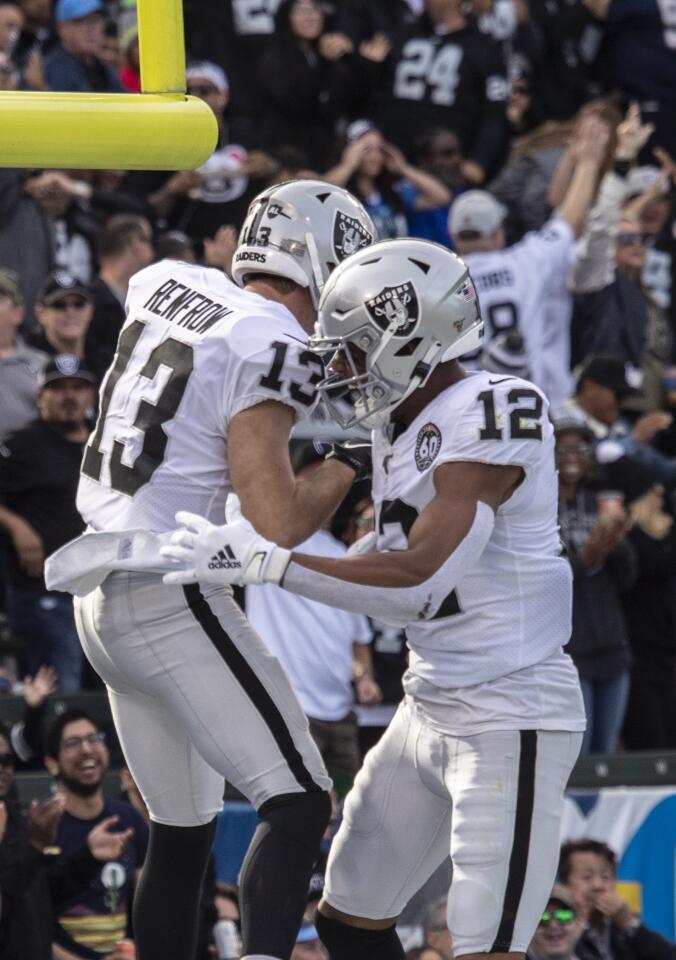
(563, 109)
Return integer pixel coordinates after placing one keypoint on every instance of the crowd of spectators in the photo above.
(534, 138)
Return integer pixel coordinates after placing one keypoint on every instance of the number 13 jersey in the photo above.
(492, 655)
(194, 351)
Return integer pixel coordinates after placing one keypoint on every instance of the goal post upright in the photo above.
(158, 129)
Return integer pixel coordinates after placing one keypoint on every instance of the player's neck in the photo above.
(443, 376)
(295, 298)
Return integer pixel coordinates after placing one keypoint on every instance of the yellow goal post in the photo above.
(158, 129)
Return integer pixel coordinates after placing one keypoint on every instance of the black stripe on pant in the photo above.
(251, 685)
(518, 860)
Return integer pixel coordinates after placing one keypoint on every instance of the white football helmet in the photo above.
(405, 305)
(301, 230)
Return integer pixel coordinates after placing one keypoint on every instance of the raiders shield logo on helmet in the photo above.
(348, 236)
(398, 305)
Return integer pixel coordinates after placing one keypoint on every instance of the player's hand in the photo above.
(37, 688)
(354, 453)
(104, 844)
(231, 554)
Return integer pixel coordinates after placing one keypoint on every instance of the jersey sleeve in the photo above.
(271, 363)
(548, 253)
(505, 424)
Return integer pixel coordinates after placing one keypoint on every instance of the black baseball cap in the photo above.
(610, 371)
(65, 366)
(60, 283)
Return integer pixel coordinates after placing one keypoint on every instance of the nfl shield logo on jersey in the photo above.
(398, 305)
(348, 236)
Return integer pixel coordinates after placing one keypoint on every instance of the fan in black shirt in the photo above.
(444, 73)
(39, 472)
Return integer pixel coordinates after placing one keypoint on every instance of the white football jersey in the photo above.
(513, 284)
(510, 615)
(194, 351)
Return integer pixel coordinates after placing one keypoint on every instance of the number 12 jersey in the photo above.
(492, 655)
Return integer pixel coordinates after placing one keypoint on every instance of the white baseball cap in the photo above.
(476, 211)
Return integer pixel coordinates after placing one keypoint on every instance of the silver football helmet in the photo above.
(301, 230)
(392, 312)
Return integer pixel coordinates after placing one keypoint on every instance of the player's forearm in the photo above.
(396, 569)
(311, 502)
(398, 587)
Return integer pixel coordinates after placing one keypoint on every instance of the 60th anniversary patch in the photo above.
(427, 446)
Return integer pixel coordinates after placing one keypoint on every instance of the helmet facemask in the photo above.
(373, 395)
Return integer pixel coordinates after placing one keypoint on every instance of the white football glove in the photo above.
(232, 554)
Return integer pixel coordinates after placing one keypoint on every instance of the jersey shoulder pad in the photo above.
(272, 362)
(151, 273)
(496, 419)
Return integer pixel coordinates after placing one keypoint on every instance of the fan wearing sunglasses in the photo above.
(559, 928)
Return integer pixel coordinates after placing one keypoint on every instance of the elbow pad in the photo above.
(397, 606)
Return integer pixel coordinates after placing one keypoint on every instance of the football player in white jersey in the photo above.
(205, 387)
(469, 561)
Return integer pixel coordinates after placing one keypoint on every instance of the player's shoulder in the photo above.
(192, 275)
(261, 323)
(488, 417)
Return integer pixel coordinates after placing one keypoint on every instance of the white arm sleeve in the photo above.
(397, 606)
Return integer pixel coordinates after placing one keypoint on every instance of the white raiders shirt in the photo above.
(194, 351)
(492, 656)
(513, 285)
